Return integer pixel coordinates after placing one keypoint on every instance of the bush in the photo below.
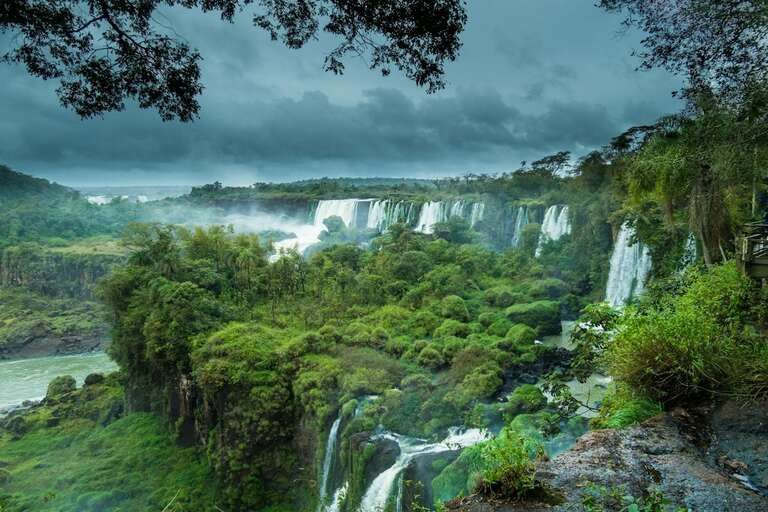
(694, 345)
(430, 357)
(509, 466)
(621, 408)
(521, 334)
(499, 328)
(547, 289)
(542, 315)
(61, 386)
(453, 307)
(451, 328)
(526, 398)
(486, 319)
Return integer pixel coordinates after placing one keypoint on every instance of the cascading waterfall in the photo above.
(433, 212)
(521, 219)
(630, 265)
(344, 208)
(556, 224)
(476, 214)
(690, 253)
(383, 213)
(380, 490)
(330, 452)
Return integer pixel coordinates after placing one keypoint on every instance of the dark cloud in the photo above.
(525, 85)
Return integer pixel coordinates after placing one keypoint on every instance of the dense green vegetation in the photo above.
(78, 452)
(25, 314)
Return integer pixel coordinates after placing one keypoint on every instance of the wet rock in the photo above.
(658, 455)
(94, 378)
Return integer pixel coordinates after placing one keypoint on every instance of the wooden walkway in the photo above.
(753, 251)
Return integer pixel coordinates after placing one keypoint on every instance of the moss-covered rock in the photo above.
(542, 315)
(61, 386)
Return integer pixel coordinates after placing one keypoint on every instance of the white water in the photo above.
(330, 452)
(27, 379)
(630, 265)
(556, 224)
(433, 212)
(344, 208)
(375, 498)
(521, 219)
(690, 253)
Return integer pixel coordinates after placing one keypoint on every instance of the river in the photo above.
(27, 379)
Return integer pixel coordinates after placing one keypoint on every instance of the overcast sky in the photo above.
(533, 77)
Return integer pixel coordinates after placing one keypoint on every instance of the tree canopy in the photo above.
(718, 44)
(104, 52)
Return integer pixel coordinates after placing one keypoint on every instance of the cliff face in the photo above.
(54, 274)
(701, 460)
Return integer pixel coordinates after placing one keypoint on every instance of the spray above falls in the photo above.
(629, 268)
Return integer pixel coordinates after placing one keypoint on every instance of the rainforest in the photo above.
(584, 331)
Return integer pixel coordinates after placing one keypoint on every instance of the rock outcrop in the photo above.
(700, 460)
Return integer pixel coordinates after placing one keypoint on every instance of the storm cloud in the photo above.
(525, 85)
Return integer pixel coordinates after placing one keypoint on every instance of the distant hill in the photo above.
(14, 185)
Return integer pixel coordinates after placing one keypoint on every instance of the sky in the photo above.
(533, 77)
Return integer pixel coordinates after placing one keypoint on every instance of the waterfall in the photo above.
(330, 451)
(429, 216)
(556, 224)
(344, 208)
(630, 265)
(380, 490)
(521, 219)
(476, 214)
(433, 212)
(690, 253)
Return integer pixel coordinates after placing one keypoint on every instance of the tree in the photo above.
(104, 52)
(720, 43)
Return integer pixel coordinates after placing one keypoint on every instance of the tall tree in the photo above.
(104, 52)
(720, 44)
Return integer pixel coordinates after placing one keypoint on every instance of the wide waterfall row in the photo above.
(630, 266)
(556, 224)
(380, 214)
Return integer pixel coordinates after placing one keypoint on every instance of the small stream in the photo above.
(27, 379)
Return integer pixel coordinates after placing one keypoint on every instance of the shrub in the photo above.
(543, 315)
(451, 328)
(423, 323)
(547, 289)
(486, 319)
(521, 334)
(621, 408)
(430, 357)
(693, 345)
(453, 307)
(61, 386)
(499, 328)
(525, 399)
(509, 466)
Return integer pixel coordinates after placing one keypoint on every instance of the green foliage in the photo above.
(60, 386)
(620, 408)
(696, 344)
(509, 469)
(526, 398)
(542, 315)
(77, 454)
(453, 307)
(25, 315)
(521, 334)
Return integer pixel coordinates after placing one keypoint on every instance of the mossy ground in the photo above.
(65, 460)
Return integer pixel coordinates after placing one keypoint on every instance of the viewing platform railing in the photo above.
(753, 250)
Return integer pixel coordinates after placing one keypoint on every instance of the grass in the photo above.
(102, 245)
(81, 466)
